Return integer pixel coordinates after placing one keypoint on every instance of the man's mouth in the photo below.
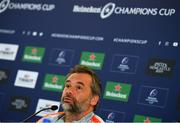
(68, 99)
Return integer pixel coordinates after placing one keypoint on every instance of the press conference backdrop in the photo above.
(132, 45)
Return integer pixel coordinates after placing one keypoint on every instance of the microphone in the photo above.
(53, 108)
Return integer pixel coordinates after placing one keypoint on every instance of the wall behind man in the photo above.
(132, 45)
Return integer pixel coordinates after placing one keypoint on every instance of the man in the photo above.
(79, 99)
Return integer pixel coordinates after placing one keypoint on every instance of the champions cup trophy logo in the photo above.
(107, 10)
(61, 58)
(110, 117)
(153, 93)
(152, 97)
(4, 5)
(124, 64)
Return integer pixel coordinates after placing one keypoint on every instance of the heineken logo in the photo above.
(92, 64)
(146, 119)
(116, 95)
(92, 57)
(33, 54)
(117, 88)
(92, 60)
(117, 91)
(54, 82)
(34, 51)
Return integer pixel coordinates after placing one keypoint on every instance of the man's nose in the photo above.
(70, 91)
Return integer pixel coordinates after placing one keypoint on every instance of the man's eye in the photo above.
(79, 87)
(67, 86)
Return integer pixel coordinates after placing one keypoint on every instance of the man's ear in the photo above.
(94, 100)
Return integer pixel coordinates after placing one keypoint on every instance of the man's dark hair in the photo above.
(96, 83)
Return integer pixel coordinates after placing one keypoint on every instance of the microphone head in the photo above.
(54, 107)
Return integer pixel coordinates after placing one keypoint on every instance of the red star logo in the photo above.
(147, 120)
(117, 87)
(54, 79)
(34, 51)
(92, 57)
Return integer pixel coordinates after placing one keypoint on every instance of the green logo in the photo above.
(54, 82)
(117, 91)
(33, 54)
(146, 119)
(92, 60)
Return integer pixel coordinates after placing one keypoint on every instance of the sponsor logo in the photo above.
(4, 5)
(54, 82)
(112, 9)
(8, 51)
(33, 54)
(4, 75)
(124, 64)
(26, 79)
(43, 103)
(61, 57)
(160, 67)
(153, 96)
(146, 119)
(92, 60)
(7, 4)
(117, 91)
(178, 102)
(19, 103)
(111, 116)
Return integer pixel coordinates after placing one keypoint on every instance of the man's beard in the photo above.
(75, 107)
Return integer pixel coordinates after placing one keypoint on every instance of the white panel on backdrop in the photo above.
(8, 51)
(26, 79)
(43, 103)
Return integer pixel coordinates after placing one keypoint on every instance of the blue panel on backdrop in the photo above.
(61, 57)
(153, 96)
(139, 41)
(111, 116)
(124, 64)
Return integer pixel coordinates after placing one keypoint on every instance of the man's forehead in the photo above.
(75, 82)
(79, 77)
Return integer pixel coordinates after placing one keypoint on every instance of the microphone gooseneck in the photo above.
(53, 108)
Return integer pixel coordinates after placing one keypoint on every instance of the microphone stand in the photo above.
(34, 114)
